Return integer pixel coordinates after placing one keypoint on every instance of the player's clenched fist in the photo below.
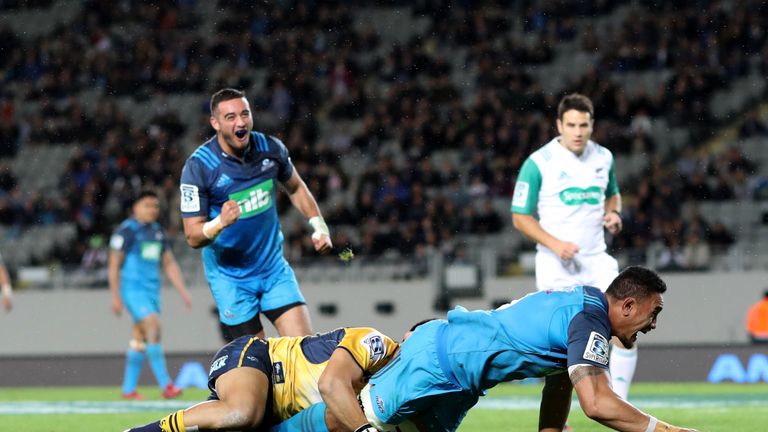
(230, 213)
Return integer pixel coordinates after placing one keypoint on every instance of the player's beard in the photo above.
(235, 143)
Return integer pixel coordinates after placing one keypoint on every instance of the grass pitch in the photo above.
(509, 407)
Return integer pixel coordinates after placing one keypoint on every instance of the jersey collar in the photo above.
(249, 155)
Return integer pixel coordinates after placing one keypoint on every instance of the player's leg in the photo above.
(311, 419)
(150, 326)
(291, 320)
(282, 302)
(552, 272)
(239, 304)
(241, 400)
(134, 362)
(252, 327)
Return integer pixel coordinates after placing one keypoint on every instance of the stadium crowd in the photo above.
(442, 118)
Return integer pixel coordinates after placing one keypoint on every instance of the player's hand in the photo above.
(187, 300)
(7, 303)
(230, 213)
(566, 250)
(117, 306)
(322, 242)
(612, 222)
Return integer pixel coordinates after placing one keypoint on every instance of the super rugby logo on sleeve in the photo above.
(116, 242)
(254, 200)
(190, 198)
(597, 349)
(520, 198)
(374, 343)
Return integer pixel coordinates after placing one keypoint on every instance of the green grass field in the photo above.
(512, 407)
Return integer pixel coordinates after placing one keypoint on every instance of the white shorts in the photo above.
(594, 270)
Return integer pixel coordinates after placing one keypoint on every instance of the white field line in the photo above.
(492, 403)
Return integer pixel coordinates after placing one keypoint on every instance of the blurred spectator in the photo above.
(696, 253)
(720, 238)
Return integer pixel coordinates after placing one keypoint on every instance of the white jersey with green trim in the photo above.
(569, 193)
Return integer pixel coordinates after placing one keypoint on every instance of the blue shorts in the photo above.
(140, 301)
(241, 299)
(430, 392)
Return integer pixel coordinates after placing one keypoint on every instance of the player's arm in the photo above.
(199, 231)
(600, 403)
(530, 227)
(338, 386)
(555, 403)
(5, 288)
(612, 219)
(171, 268)
(524, 201)
(114, 263)
(304, 201)
(195, 206)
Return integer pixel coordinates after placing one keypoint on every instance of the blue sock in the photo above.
(157, 362)
(311, 419)
(134, 361)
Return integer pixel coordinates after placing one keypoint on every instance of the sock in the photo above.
(170, 423)
(311, 419)
(622, 364)
(134, 361)
(157, 362)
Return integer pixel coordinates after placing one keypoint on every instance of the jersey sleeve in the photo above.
(194, 191)
(613, 186)
(588, 337)
(370, 349)
(122, 239)
(285, 170)
(526, 195)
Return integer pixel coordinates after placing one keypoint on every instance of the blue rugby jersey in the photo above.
(540, 334)
(143, 245)
(211, 177)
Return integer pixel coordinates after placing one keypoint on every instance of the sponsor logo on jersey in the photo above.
(254, 200)
(278, 374)
(267, 164)
(563, 175)
(578, 196)
(374, 342)
(520, 198)
(597, 349)
(223, 181)
(218, 364)
(151, 250)
(190, 198)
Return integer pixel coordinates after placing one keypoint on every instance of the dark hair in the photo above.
(575, 101)
(224, 95)
(144, 194)
(421, 323)
(765, 293)
(637, 282)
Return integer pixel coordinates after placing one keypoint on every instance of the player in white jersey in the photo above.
(570, 183)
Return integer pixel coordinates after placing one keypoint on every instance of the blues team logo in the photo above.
(597, 349)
